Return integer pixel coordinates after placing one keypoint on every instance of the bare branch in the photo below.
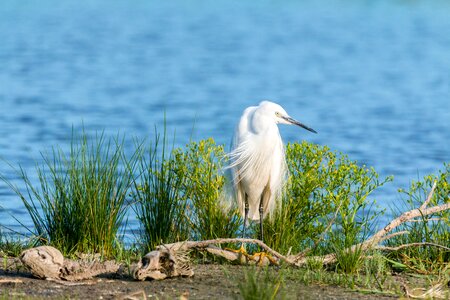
(411, 245)
(437, 291)
(204, 244)
(10, 280)
(430, 195)
(389, 236)
(405, 217)
(427, 220)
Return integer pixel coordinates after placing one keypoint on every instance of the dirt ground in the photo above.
(209, 282)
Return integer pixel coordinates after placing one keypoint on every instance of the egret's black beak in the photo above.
(295, 122)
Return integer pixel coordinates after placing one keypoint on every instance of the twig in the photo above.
(411, 245)
(71, 283)
(389, 236)
(427, 220)
(382, 234)
(430, 195)
(435, 292)
(139, 295)
(405, 217)
(10, 280)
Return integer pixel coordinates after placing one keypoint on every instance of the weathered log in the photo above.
(163, 263)
(47, 262)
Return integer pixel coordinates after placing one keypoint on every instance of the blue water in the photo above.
(372, 77)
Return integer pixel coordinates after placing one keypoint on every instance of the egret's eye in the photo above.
(277, 114)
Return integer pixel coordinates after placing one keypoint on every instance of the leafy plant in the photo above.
(200, 163)
(322, 185)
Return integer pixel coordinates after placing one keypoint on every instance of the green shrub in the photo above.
(322, 185)
(201, 164)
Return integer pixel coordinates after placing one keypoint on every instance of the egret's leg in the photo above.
(261, 212)
(260, 256)
(245, 215)
(242, 251)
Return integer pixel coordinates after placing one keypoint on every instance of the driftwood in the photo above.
(373, 243)
(47, 262)
(163, 263)
(437, 291)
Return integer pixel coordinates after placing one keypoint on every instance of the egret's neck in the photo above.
(261, 123)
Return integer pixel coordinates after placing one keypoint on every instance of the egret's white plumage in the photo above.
(257, 159)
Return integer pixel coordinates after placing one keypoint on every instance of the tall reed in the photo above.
(159, 202)
(79, 204)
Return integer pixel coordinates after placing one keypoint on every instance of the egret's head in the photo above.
(280, 116)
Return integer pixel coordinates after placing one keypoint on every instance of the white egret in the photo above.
(257, 160)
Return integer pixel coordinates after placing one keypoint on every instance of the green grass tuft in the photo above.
(159, 204)
(431, 229)
(79, 205)
(11, 245)
(261, 284)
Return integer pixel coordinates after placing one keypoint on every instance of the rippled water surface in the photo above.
(372, 77)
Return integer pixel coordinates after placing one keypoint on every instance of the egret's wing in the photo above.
(233, 191)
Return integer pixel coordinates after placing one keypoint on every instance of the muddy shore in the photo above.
(210, 282)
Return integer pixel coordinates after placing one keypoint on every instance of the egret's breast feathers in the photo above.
(253, 158)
